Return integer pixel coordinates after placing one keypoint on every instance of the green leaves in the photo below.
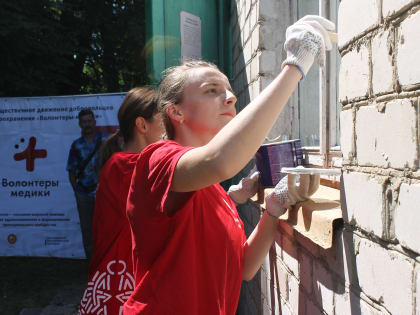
(57, 47)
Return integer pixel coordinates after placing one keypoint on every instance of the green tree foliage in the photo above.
(58, 47)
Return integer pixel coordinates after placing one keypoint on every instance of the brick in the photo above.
(409, 50)
(255, 39)
(294, 293)
(341, 258)
(342, 301)
(350, 303)
(354, 74)
(347, 134)
(268, 61)
(269, 9)
(388, 138)
(248, 73)
(306, 243)
(246, 31)
(290, 255)
(381, 64)
(407, 217)
(265, 81)
(282, 280)
(417, 289)
(312, 309)
(355, 17)
(253, 16)
(385, 275)
(247, 52)
(256, 87)
(247, 6)
(323, 286)
(285, 310)
(305, 272)
(363, 201)
(389, 7)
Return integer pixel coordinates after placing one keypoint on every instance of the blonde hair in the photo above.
(171, 90)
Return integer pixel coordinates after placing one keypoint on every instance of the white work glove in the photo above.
(289, 191)
(306, 39)
(245, 189)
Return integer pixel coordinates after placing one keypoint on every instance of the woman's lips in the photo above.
(228, 114)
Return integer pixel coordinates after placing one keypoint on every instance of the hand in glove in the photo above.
(245, 189)
(306, 39)
(288, 192)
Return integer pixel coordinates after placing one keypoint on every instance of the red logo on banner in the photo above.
(30, 154)
(11, 238)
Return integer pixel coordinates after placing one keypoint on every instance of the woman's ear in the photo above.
(141, 125)
(175, 113)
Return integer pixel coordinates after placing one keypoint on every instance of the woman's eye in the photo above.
(211, 91)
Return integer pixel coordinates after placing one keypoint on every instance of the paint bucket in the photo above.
(272, 157)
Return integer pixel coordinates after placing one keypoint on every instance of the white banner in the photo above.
(38, 212)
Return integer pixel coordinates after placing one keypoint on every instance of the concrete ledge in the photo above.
(316, 217)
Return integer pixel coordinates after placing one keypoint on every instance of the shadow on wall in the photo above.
(310, 278)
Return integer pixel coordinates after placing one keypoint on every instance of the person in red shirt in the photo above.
(110, 277)
(190, 253)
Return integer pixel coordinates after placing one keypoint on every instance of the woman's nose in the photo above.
(230, 98)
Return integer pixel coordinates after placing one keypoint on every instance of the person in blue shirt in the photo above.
(82, 165)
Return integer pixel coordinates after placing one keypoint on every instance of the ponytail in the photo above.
(111, 145)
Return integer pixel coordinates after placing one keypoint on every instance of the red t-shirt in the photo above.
(187, 263)
(110, 279)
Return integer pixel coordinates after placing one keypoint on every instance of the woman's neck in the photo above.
(136, 145)
(191, 139)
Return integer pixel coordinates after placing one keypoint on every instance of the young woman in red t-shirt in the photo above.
(110, 279)
(190, 252)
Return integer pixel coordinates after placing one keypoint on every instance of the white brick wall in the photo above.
(364, 201)
(355, 17)
(409, 50)
(387, 138)
(312, 309)
(294, 293)
(290, 255)
(385, 275)
(379, 146)
(354, 74)
(407, 217)
(347, 134)
(270, 61)
(349, 303)
(323, 286)
(417, 290)
(305, 272)
(270, 9)
(389, 7)
(381, 64)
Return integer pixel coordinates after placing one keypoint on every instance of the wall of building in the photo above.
(373, 266)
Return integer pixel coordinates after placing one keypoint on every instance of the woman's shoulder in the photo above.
(121, 161)
(161, 147)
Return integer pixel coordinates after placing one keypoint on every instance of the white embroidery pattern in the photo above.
(233, 213)
(99, 290)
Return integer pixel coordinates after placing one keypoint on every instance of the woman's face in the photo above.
(155, 129)
(208, 102)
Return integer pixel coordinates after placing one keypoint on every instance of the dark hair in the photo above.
(138, 102)
(171, 90)
(84, 112)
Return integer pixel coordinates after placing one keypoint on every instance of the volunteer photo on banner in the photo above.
(38, 212)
